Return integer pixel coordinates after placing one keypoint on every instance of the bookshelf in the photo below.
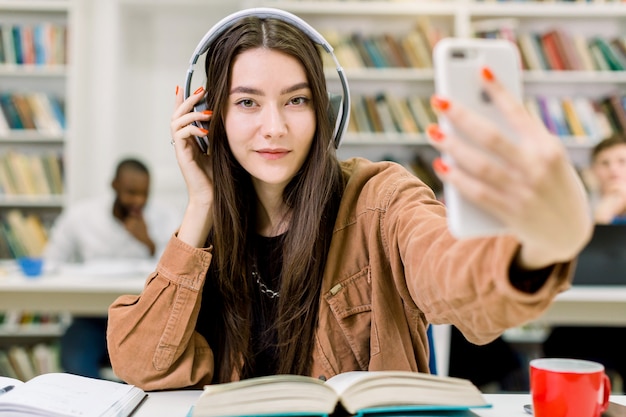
(35, 78)
(34, 94)
(464, 18)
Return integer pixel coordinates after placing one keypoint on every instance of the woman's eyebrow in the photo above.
(295, 87)
(255, 91)
(247, 90)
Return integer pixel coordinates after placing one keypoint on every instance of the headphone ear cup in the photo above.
(334, 113)
(203, 141)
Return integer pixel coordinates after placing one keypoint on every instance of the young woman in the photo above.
(289, 261)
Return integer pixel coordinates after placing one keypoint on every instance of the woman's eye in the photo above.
(245, 103)
(299, 100)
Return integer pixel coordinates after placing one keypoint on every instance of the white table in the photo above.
(178, 403)
(580, 305)
(83, 290)
(91, 289)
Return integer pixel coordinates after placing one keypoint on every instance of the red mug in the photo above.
(568, 388)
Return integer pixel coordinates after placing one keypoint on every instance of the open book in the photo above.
(68, 395)
(360, 393)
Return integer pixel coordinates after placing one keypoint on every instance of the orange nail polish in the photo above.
(440, 166)
(200, 89)
(435, 133)
(177, 88)
(487, 74)
(207, 112)
(204, 131)
(439, 103)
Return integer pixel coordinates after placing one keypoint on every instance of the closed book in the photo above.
(401, 113)
(599, 59)
(618, 111)
(552, 52)
(572, 119)
(10, 111)
(588, 118)
(360, 115)
(567, 50)
(359, 44)
(7, 43)
(384, 112)
(547, 118)
(581, 45)
(24, 111)
(609, 54)
(372, 114)
(420, 112)
(395, 49)
(530, 52)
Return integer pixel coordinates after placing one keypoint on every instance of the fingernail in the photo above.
(440, 166)
(177, 88)
(199, 90)
(204, 131)
(435, 133)
(487, 74)
(439, 103)
(207, 112)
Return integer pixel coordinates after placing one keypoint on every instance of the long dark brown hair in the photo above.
(312, 197)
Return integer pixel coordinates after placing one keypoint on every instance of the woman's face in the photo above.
(270, 120)
(609, 167)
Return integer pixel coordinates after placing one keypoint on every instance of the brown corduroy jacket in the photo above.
(392, 268)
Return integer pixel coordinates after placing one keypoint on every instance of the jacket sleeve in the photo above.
(461, 282)
(151, 337)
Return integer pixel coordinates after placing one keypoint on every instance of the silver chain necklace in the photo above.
(262, 287)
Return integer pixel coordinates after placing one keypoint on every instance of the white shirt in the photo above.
(89, 232)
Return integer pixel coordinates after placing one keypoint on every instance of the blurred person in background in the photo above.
(607, 184)
(125, 226)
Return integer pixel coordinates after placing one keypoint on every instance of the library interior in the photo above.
(85, 84)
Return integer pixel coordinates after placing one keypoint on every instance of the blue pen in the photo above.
(6, 389)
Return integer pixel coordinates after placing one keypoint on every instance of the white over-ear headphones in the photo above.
(339, 111)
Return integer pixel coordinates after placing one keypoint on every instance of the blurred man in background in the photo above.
(104, 229)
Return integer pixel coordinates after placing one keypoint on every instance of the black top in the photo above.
(264, 336)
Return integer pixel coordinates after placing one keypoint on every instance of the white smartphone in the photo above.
(457, 64)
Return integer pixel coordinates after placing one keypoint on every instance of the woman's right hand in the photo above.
(195, 165)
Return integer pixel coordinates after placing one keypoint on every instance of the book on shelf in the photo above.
(25, 362)
(384, 113)
(25, 234)
(37, 44)
(359, 393)
(68, 395)
(574, 122)
(33, 111)
(22, 363)
(31, 174)
(607, 53)
(372, 114)
(552, 51)
(361, 118)
(531, 53)
(579, 43)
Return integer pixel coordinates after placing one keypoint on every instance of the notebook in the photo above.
(603, 260)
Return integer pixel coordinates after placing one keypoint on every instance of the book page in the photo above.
(5, 381)
(66, 395)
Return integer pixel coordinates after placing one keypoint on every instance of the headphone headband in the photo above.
(220, 27)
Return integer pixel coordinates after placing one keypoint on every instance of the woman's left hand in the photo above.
(529, 185)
